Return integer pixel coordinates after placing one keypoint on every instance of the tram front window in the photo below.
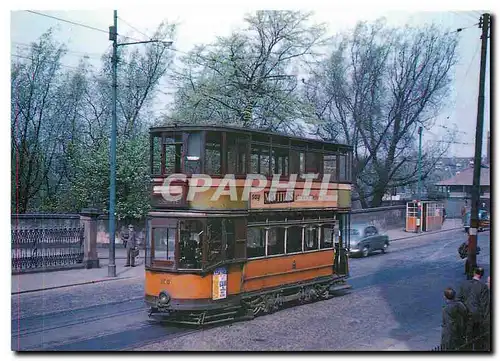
(164, 244)
(190, 244)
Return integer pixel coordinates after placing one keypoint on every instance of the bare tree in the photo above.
(250, 77)
(374, 91)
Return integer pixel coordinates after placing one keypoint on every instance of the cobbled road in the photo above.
(395, 304)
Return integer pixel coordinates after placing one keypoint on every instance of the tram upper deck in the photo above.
(215, 168)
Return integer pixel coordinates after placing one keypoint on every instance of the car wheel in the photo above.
(365, 251)
(386, 247)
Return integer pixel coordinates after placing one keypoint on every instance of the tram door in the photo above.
(341, 266)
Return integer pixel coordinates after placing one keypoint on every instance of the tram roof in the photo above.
(218, 128)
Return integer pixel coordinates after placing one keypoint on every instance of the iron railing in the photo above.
(42, 248)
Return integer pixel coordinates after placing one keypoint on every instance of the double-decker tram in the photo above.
(243, 222)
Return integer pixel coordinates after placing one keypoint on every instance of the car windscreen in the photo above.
(354, 233)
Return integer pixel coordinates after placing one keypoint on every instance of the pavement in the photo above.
(34, 282)
(401, 234)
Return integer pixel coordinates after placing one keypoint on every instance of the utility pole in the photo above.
(419, 185)
(113, 36)
(484, 23)
(419, 193)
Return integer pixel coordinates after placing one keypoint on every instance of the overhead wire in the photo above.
(51, 62)
(466, 15)
(68, 21)
(68, 51)
(134, 28)
(79, 24)
(460, 87)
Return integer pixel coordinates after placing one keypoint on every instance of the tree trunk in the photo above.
(378, 195)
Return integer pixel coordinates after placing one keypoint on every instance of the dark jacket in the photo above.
(131, 240)
(476, 297)
(454, 325)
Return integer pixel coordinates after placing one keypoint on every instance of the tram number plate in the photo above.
(219, 284)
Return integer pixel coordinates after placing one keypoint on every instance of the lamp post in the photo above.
(113, 36)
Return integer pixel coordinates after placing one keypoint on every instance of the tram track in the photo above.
(61, 331)
(68, 318)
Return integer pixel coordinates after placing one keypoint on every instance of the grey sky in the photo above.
(203, 24)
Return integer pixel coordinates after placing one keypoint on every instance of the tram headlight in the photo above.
(163, 298)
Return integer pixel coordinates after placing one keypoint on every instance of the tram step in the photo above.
(335, 288)
(216, 315)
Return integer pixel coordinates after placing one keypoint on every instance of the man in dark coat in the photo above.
(476, 297)
(131, 244)
(454, 322)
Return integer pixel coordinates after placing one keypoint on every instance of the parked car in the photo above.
(484, 221)
(365, 239)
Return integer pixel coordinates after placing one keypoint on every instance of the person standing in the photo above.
(131, 244)
(475, 296)
(454, 322)
(464, 212)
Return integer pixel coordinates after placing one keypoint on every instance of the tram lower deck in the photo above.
(212, 269)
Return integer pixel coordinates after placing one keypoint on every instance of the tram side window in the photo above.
(275, 241)
(190, 242)
(254, 162)
(156, 155)
(260, 160)
(280, 161)
(170, 156)
(327, 236)
(213, 154)
(214, 240)
(232, 156)
(172, 153)
(240, 238)
(294, 240)
(193, 154)
(230, 238)
(313, 162)
(349, 167)
(342, 168)
(164, 244)
(256, 238)
(330, 166)
(302, 163)
(310, 238)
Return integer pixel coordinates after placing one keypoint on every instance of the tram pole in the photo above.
(484, 24)
(113, 35)
(419, 181)
(419, 192)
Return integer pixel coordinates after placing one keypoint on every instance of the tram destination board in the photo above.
(278, 197)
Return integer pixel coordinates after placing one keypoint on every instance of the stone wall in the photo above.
(384, 218)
